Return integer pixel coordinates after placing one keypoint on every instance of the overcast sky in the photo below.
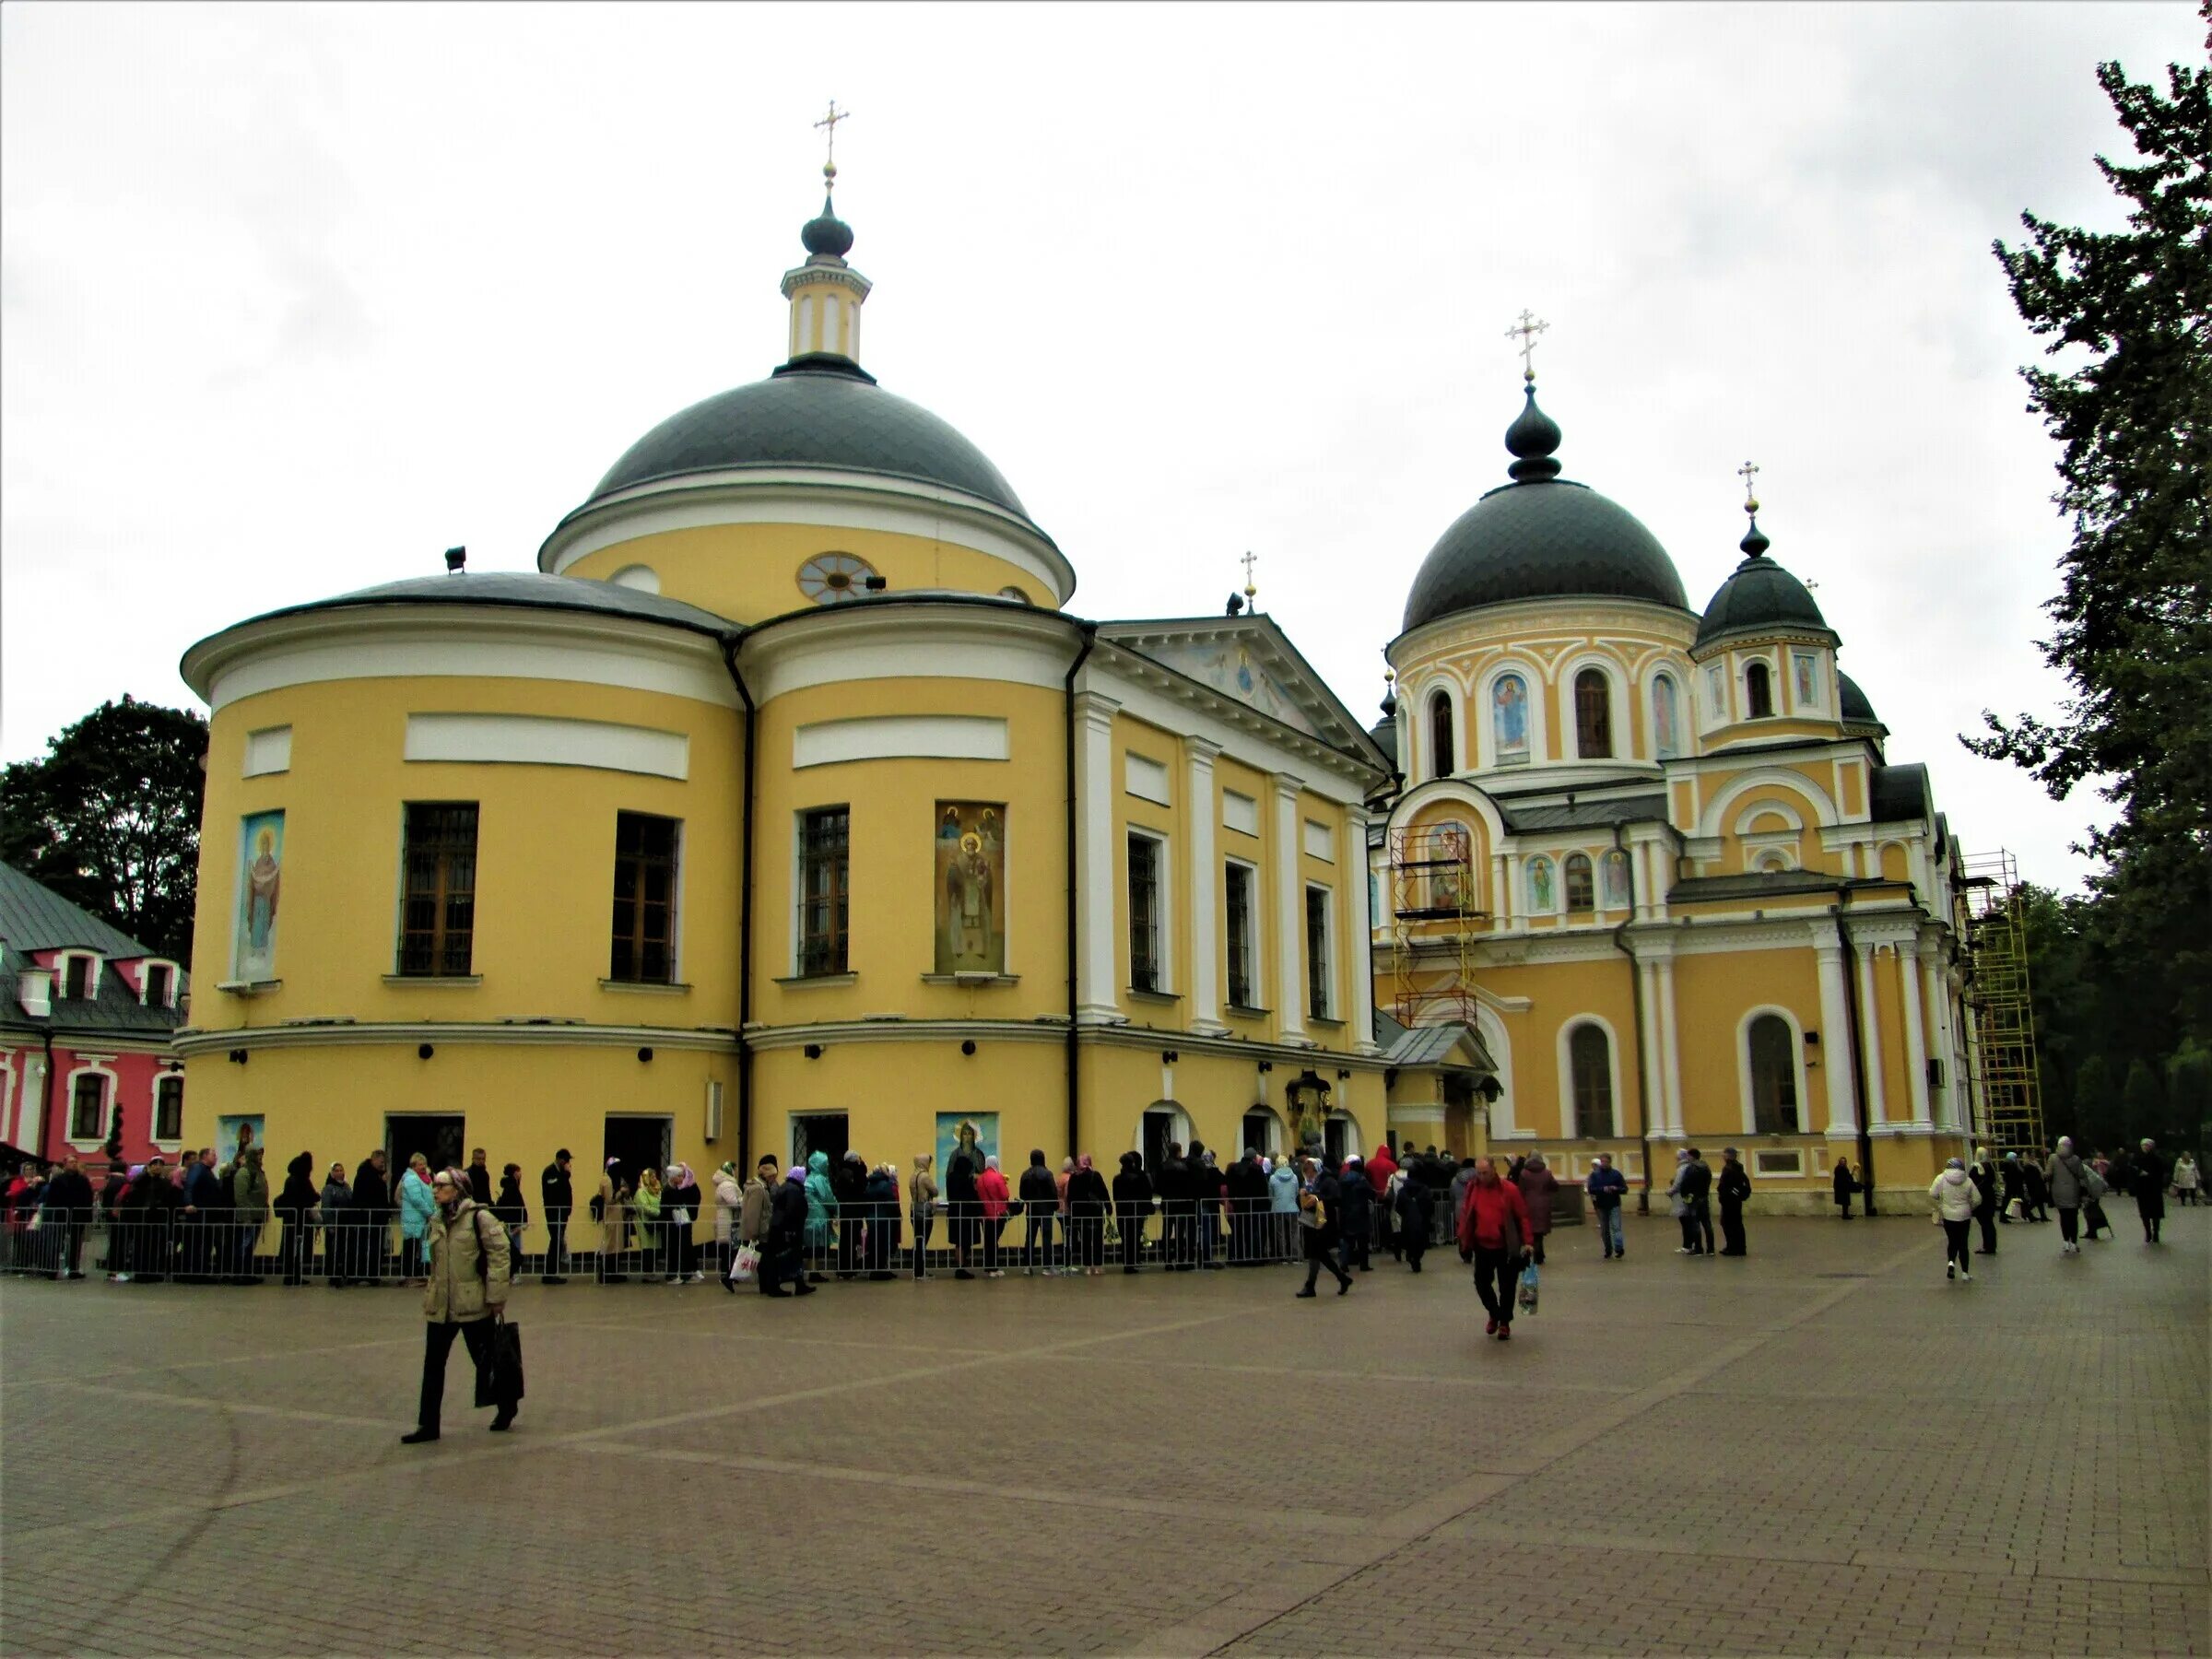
(294, 298)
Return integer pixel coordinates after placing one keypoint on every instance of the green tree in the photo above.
(2129, 309)
(2142, 1102)
(110, 819)
(2189, 1092)
(2095, 1106)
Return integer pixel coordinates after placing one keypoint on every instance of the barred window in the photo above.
(825, 873)
(1144, 913)
(643, 948)
(1237, 889)
(1319, 975)
(438, 916)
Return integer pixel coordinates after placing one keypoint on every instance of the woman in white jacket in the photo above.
(729, 1197)
(1953, 1192)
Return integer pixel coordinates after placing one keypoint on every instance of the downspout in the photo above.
(1643, 1107)
(46, 1090)
(745, 912)
(1858, 1053)
(1075, 1083)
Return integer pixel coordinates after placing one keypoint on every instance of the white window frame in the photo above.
(1330, 954)
(1749, 1108)
(60, 975)
(1447, 765)
(146, 969)
(153, 1120)
(1794, 1171)
(1621, 732)
(1163, 909)
(1252, 900)
(109, 1095)
(798, 887)
(1570, 1122)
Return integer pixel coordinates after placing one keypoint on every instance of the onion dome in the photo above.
(1541, 537)
(1760, 596)
(826, 237)
(1854, 706)
(1385, 730)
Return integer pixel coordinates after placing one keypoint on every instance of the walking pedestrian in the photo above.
(922, 1211)
(466, 1277)
(1493, 1231)
(1844, 1185)
(417, 1203)
(1318, 1197)
(1355, 1217)
(557, 1195)
(1734, 1187)
(1539, 1188)
(296, 1215)
(1607, 1186)
(2070, 1179)
(2149, 1175)
(1132, 1207)
(784, 1256)
(679, 1212)
(992, 1200)
(2186, 1179)
(1982, 1173)
(1040, 1197)
(2036, 1189)
(1088, 1203)
(1953, 1192)
(1411, 1214)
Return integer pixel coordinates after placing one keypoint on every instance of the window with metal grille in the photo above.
(1773, 1075)
(438, 915)
(1581, 894)
(157, 984)
(1144, 913)
(87, 1107)
(1236, 890)
(1591, 1056)
(1593, 715)
(168, 1108)
(1318, 974)
(76, 978)
(1758, 691)
(825, 872)
(643, 946)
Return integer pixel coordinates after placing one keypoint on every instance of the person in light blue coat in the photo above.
(417, 1204)
(1282, 1209)
(822, 1209)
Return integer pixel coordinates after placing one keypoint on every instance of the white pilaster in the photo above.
(1940, 1039)
(1289, 909)
(1098, 999)
(1502, 893)
(1835, 1025)
(1653, 1092)
(1360, 956)
(1670, 1048)
(1199, 812)
(1870, 1041)
(1515, 909)
(1916, 1048)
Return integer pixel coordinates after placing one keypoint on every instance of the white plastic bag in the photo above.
(745, 1266)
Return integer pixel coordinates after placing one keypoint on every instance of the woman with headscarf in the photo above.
(1842, 1185)
(784, 1256)
(679, 1212)
(1320, 1197)
(1953, 1192)
(821, 1210)
(966, 1212)
(729, 1207)
(1539, 1188)
(416, 1206)
(512, 1212)
(610, 1204)
(295, 1215)
(464, 1294)
(1282, 1210)
(922, 1211)
(1132, 1209)
(1088, 1201)
(992, 1197)
(880, 1200)
(337, 1206)
(645, 1220)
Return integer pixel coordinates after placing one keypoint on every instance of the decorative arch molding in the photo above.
(1180, 1133)
(1444, 686)
(1772, 778)
(1425, 797)
(1534, 677)
(1490, 1027)
(1743, 1065)
(1564, 1040)
(1683, 675)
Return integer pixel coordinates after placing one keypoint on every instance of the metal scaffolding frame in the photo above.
(1433, 909)
(2008, 1099)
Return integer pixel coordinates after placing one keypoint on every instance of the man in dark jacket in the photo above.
(1039, 1195)
(1735, 1186)
(1608, 1187)
(296, 1230)
(206, 1216)
(1355, 1212)
(848, 1184)
(1177, 1236)
(1132, 1209)
(2149, 1176)
(1206, 1190)
(1247, 1209)
(1412, 1213)
(371, 1221)
(558, 1192)
(783, 1252)
(1698, 1190)
(1982, 1173)
(68, 1206)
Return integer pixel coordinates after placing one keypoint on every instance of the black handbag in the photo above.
(501, 1383)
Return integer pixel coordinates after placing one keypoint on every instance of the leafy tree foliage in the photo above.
(2131, 311)
(110, 819)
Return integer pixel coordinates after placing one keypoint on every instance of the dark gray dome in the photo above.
(1856, 710)
(1757, 595)
(814, 411)
(1542, 539)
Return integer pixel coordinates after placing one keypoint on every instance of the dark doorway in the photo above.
(638, 1142)
(1160, 1129)
(825, 1131)
(1259, 1131)
(1332, 1140)
(437, 1136)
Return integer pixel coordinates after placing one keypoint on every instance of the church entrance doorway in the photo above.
(1262, 1132)
(639, 1141)
(436, 1135)
(812, 1131)
(1164, 1121)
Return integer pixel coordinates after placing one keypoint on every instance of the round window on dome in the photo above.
(1016, 594)
(834, 578)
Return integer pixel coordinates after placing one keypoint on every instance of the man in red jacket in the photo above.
(1380, 1168)
(1494, 1227)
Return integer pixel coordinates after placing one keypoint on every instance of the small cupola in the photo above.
(826, 293)
(1765, 649)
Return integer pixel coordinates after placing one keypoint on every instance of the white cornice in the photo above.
(1047, 1028)
(472, 1033)
(908, 639)
(1514, 621)
(824, 496)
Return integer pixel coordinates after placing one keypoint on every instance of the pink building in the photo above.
(86, 1017)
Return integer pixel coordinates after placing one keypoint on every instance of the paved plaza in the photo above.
(1821, 1449)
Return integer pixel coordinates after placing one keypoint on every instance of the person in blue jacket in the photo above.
(822, 1209)
(1607, 1186)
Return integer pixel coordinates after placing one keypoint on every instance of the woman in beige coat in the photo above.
(921, 1210)
(614, 1220)
(465, 1292)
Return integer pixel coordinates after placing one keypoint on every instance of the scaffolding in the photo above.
(1433, 912)
(2008, 1103)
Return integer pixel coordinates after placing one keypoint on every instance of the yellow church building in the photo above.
(787, 807)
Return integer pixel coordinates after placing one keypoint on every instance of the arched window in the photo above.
(1667, 718)
(1773, 1075)
(1758, 691)
(1580, 896)
(1591, 1057)
(1444, 755)
(1593, 715)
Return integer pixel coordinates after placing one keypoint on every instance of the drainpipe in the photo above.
(46, 1093)
(1075, 1084)
(1643, 1107)
(744, 913)
(1858, 1053)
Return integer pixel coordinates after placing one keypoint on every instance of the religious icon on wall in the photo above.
(1509, 717)
(1807, 697)
(1448, 878)
(1665, 717)
(1541, 890)
(971, 888)
(1616, 868)
(235, 1135)
(1716, 692)
(260, 874)
(970, 1134)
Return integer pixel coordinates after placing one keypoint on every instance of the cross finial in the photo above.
(1526, 330)
(1248, 560)
(1746, 472)
(828, 124)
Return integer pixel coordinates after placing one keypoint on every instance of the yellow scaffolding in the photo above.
(2008, 1099)
(1433, 910)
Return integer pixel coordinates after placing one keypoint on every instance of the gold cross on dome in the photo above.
(828, 124)
(1746, 472)
(1247, 562)
(1528, 329)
